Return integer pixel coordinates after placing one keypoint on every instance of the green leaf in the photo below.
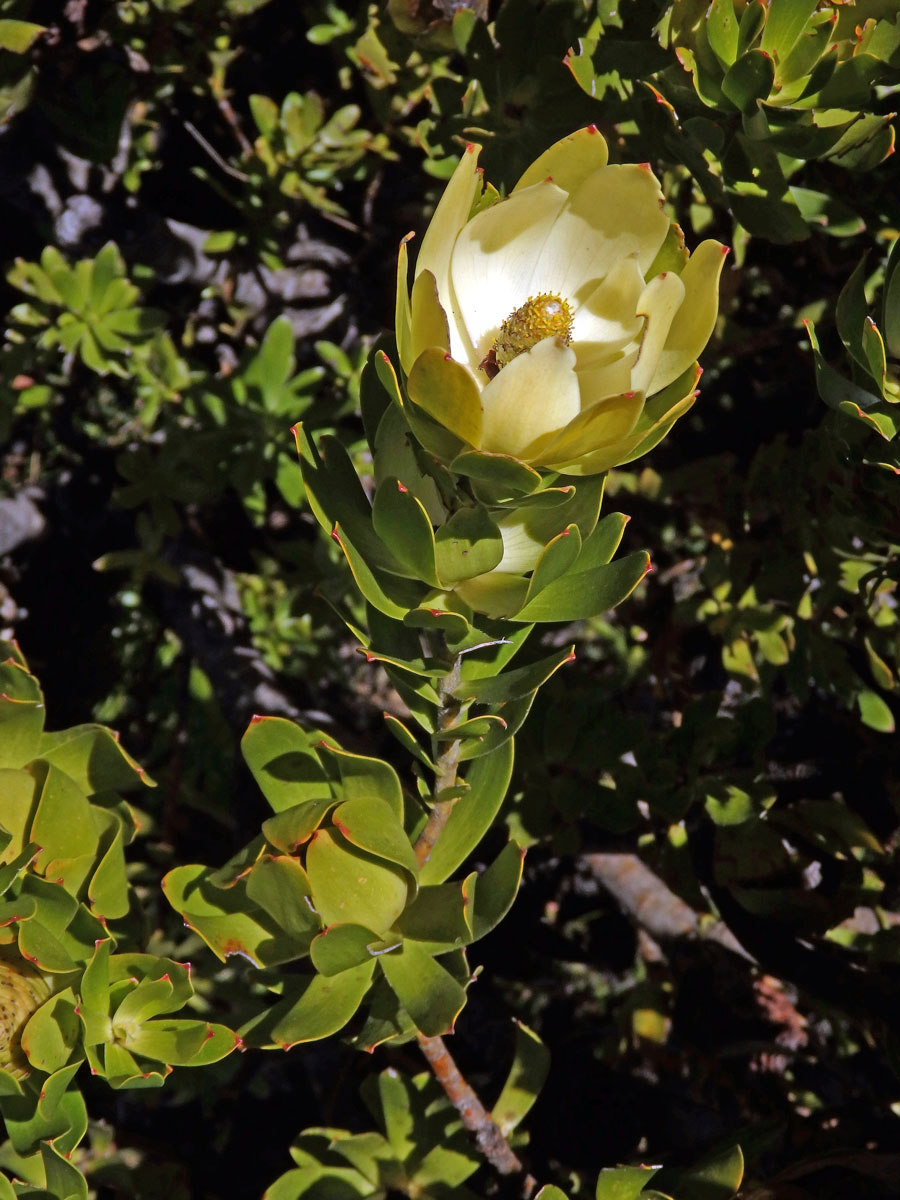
(52, 1033)
(402, 523)
(752, 20)
(408, 741)
(63, 823)
(890, 321)
(476, 727)
(623, 1183)
(557, 557)
(785, 22)
(228, 921)
(437, 919)
(18, 789)
(722, 31)
(718, 1177)
(500, 731)
(28, 1124)
(364, 778)
(749, 80)
(389, 594)
(826, 212)
(284, 762)
(350, 885)
(311, 1009)
(92, 756)
(288, 830)
(394, 1108)
(581, 594)
(341, 947)
(21, 715)
(472, 815)
(531, 1063)
(510, 685)
(63, 1177)
(337, 498)
(467, 545)
(265, 114)
(492, 893)
(108, 890)
(428, 992)
(851, 313)
(182, 1043)
(505, 474)
(875, 712)
(373, 825)
(447, 392)
(444, 613)
(19, 36)
(279, 885)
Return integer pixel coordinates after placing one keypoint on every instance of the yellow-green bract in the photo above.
(589, 234)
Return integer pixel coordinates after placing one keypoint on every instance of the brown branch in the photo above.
(488, 1136)
(447, 765)
(647, 900)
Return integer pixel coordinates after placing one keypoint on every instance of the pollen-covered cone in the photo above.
(560, 325)
(22, 992)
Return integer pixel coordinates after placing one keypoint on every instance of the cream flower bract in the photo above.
(593, 240)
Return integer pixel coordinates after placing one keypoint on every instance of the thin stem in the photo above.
(447, 764)
(488, 1135)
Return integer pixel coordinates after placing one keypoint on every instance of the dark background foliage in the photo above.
(706, 938)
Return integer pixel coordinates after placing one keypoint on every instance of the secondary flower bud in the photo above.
(22, 992)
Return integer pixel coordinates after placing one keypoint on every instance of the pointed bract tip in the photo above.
(255, 718)
(384, 357)
(448, 358)
(592, 129)
(401, 488)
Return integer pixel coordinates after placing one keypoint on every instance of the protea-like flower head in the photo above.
(560, 325)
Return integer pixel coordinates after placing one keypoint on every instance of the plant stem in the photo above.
(447, 764)
(488, 1135)
(475, 1117)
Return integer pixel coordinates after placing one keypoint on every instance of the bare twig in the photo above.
(647, 900)
(214, 154)
(232, 118)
